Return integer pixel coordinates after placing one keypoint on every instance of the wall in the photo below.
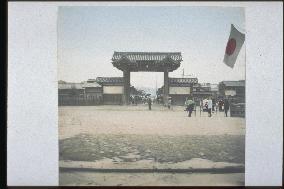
(179, 90)
(113, 89)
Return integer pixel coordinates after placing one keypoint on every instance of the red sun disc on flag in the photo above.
(231, 46)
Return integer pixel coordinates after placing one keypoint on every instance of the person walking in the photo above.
(170, 103)
(189, 103)
(149, 103)
(220, 105)
(205, 102)
(209, 107)
(135, 100)
(226, 106)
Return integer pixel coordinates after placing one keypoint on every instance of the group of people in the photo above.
(149, 102)
(189, 104)
(208, 104)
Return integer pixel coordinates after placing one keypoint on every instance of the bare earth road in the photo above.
(124, 136)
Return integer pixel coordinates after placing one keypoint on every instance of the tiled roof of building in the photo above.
(147, 56)
(102, 80)
(182, 80)
(240, 83)
(214, 87)
(61, 81)
(91, 80)
(202, 92)
(70, 86)
(90, 84)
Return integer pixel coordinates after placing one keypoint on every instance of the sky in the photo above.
(88, 36)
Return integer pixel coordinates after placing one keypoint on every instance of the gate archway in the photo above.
(146, 62)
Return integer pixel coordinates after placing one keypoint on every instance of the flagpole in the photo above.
(242, 30)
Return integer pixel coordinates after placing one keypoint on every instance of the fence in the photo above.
(78, 101)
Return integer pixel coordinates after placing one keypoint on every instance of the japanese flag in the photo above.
(234, 45)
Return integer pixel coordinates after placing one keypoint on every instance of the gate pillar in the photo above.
(126, 94)
(166, 87)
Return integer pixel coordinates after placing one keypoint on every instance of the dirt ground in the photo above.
(150, 179)
(133, 134)
(139, 120)
(159, 148)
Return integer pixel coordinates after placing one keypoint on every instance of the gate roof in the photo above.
(147, 61)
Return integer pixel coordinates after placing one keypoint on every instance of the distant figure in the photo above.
(226, 106)
(220, 105)
(135, 100)
(149, 103)
(189, 106)
(209, 107)
(131, 99)
(170, 103)
(206, 105)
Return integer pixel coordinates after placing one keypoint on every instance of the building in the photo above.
(79, 94)
(92, 92)
(112, 89)
(70, 94)
(232, 88)
(235, 92)
(201, 91)
(214, 90)
(180, 89)
(102, 90)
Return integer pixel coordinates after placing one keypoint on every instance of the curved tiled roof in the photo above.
(146, 61)
(182, 80)
(240, 83)
(70, 85)
(90, 84)
(101, 80)
(147, 56)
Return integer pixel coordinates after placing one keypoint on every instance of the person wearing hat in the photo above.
(226, 106)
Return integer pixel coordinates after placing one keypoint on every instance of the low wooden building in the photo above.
(235, 92)
(93, 93)
(201, 91)
(70, 94)
(179, 89)
(204, 90)
(112, 89)
(79, 94)
(214, 88)
(232, 88)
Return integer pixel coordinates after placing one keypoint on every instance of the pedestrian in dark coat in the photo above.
(189, 103)
(149, 103)
(226, 106)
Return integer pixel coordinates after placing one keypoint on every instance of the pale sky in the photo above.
(88, 36)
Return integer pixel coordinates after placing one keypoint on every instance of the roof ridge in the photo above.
(233, 81)
(109, 77)
(150, 52)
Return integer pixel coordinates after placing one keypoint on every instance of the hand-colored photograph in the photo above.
(151, 95)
